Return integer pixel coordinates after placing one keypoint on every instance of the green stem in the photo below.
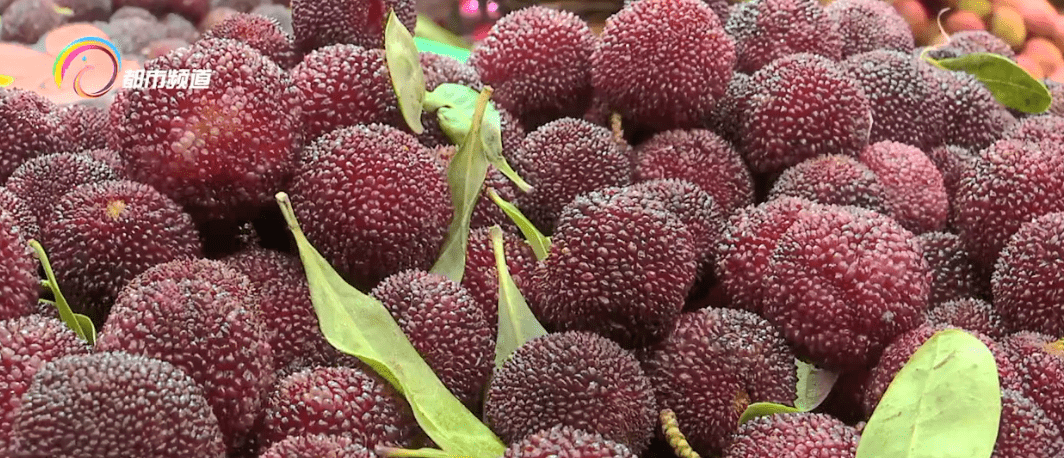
(75, 322)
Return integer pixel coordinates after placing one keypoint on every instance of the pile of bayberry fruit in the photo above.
(732, 192)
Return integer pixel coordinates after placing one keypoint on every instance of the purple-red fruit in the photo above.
(373, 200)
(319, 23)
(663, 64)
(954, 275)
(972, 314)
(700, 157)
(916, 194)
(794, 435)
(18, 268)
(343, 401)
(845, 284)
(868, 25)
(221, 152)
(104, 234)
(114, 404)
(261, 33)
(201, 316)
(1025, 430)
(446, 326)
(714, 364)
(317, 446)
(1028, 281)
(766, 30)
(537, 61)
(566, 158)
(833, 179)
(41, 181)
(567, 442)
(574, 379)
(28, 128)
(799, 107)
(25, 218)
(1039, 360)
(26, 21)
(481, 277)
(28, 344)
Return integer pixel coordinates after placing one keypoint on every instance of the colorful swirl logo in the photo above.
(78, 47)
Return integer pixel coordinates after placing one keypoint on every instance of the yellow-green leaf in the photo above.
(814, 385)
(761, 409)
(80, 324)
(359, 325)
(539, 242)
(1010, 83)
(465, 174)
(944, 403)
(404, 67)
(517, 323)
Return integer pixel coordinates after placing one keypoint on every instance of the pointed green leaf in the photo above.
(944, 403)
(428, 30)
(814, 385)
(395, 452)
(359, 325)
(440, 47)
(517, 323)
(465, 174)
(80, 324)
(454, 105)
(762, 409)
(540, 243)
(1010, 83)
(404, 67)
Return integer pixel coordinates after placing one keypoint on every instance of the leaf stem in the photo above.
(539, 242)
(670, 427)
(394, 452)
(65, 313)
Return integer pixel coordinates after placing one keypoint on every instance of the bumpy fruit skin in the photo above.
(916, 194)
(441, 69)
(663, 64)
(119, 405)
(26, 21)
(902, 348)
(191, 9)
(27, 128)
(29, 343)
(41, 181)
(373, 200)
(845, 284)
(714, 364)
(749, 239)
(1025, 430)
(83, 127)
(446, 326)
(696, 209)
(724, 120)
(951, 161)
(199, 315)
(833, 179)
(342, 86)
(104, 234)
(1039, 359)
(904, 93)
(25, 218)
(317, 446)
(954, 275)
(1037, 128)
(974, 117)
(766, 30)
(1056, 89)
(1011, 183)
(574, 379)
(868, 25)
(261, 33)
(799, 107)
(701, 157)
(794, 435)
(972, 314)
(342, 401)
(969, 41)
(567, 442)
(18, 268)
(280, 12)
(620, 265)
(133, 29)
(1027, 281)
(481, 277)
(221, 152)
(566, 158)
(537, 60)
(284, 305)
(319, 23)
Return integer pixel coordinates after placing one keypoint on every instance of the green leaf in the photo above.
(540, 243)
(517, 323)
(944, 403)
(1010, 83)
(63, 11)
(454, 105)
(80, 324)
(429, 30)
(404, 67)
(465, 174)
(762, 409)
(395, 452)
(359, 325)
(440, 47)
(814, 385)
